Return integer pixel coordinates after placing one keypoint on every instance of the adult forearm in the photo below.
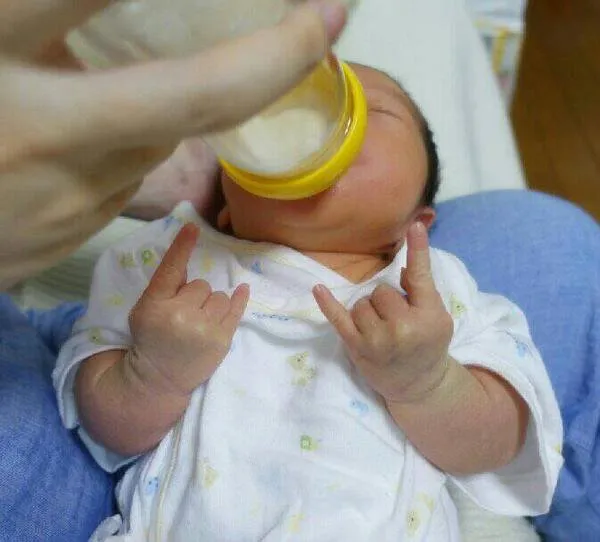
(473, 422)
(119, 410)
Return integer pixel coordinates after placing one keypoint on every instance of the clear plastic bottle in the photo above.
(293, 149)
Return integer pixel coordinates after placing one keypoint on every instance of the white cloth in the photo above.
(286, 441)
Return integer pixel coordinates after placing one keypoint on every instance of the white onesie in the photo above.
(286, 442)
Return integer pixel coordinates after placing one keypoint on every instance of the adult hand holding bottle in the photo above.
(75, 145)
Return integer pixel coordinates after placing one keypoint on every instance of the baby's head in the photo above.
(390, 185)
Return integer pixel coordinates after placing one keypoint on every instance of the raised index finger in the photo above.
(171, 274)
(419, 284)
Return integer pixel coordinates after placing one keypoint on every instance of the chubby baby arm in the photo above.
(129, 399)
(464, 420)
(118, 408)
(472, 421)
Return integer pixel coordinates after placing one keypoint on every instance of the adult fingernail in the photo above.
(333, 14)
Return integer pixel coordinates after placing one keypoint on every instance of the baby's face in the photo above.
(370, 208)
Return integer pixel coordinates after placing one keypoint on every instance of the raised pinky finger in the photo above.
(337, 314)
(237, 306)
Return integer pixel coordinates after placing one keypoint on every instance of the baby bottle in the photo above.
(295, 148)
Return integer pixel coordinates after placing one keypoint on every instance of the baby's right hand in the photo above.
(182, 331)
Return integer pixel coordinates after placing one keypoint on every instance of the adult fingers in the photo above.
(28, 25)
(167, 100)
(418, 281)
(337, 315)
(237, 307)
(171, 274)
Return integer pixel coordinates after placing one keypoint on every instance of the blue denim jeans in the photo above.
(541, 252)
(50, 487)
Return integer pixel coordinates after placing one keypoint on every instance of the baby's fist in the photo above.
(182, 331)
(399, 345)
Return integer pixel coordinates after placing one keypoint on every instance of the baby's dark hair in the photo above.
(434, 177)
(433, 180)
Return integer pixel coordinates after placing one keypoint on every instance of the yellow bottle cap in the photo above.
(324, 177)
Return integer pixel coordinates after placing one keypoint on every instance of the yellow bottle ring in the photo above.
(325, 176)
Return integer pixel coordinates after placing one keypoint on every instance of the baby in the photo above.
(313, 371)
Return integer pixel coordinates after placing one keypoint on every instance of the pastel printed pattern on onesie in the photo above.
(115, 300)
(304, 371)
(149, 257)
(170, 220)
(521, 347)
(207, 263)
(457, 307)
(151, 486)
(240, 392)
(208, 475)
(257, 267)
(271, 316)
(308, 443)
(413, 522)
(427, 500)
(126, 260)
(419, 514)
(295, 523)
(179, 215)
(359, 407)
(95, 336)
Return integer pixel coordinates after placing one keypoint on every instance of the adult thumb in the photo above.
(167, 100)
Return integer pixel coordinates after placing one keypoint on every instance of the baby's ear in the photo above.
(425, 215)
(224, 219)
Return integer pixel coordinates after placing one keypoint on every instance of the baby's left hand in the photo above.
(399, 345)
